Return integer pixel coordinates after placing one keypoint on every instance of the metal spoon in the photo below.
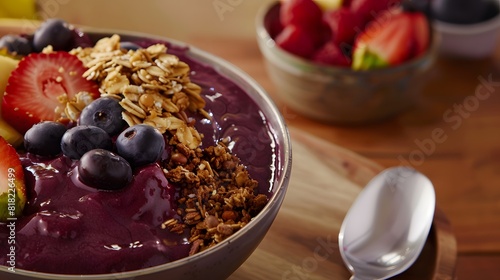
(385, 229)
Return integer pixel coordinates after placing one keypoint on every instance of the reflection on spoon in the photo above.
(386, 228)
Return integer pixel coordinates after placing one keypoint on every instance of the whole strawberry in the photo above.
(303, 29)
(305, 13)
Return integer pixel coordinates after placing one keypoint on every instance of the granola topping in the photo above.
(203, 187)
(217, 195)
(153, 86)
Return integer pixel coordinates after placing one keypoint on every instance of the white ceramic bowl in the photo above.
(223, 259)
(476, 40)
(336, 94)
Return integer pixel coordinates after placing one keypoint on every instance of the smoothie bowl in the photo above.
(153, 160)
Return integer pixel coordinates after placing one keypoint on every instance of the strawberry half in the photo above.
(12, 187)
(34, 86)
(386, 43)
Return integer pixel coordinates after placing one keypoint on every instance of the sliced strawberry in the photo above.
(34, 86)
(304, 13)
(344, 25)
(296, 40)
(422, 33)
(331, 54)
(384, 44)
(12, 187)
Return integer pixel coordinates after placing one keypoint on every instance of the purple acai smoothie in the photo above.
(68, 227)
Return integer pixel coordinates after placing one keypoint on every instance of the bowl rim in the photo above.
(469, 29)
(265, 40)
(277, 194)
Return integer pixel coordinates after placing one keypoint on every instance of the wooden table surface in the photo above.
(461, 98)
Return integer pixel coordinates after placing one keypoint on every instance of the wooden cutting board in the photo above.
(302, 242)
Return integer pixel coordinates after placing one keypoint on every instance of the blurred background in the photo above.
(180, 20)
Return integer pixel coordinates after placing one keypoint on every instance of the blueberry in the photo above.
(104, 170)
(55, 32)
(81, 39)
(129, 45)
(105, 113)
(16, 44)
(44, 139)
(140, 144)
(83, 138)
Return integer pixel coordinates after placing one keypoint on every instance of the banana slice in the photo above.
(7, 65)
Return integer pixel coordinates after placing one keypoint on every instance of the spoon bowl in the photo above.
(387, 226)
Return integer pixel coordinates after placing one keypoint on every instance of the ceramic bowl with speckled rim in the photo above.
(242, 111)
(471, 41)
(337, 94)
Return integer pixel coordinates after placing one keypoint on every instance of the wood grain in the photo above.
(302, 243)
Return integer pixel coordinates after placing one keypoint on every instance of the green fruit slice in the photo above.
(364, 59)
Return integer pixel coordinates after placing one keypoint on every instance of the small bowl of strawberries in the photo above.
(346, 61)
